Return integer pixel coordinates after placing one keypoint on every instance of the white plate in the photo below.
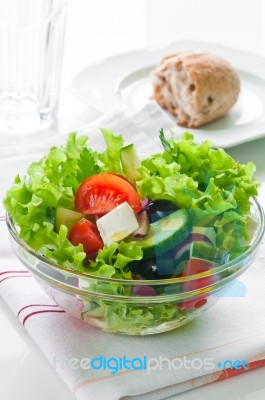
(123, 80)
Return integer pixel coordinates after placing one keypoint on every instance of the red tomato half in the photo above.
(196, 266)
(100, 193)
(86, 233)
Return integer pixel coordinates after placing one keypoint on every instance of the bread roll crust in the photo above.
(195, 87)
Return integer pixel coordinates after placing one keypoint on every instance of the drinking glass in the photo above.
(31, 48)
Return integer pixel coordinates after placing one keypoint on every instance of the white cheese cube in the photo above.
(117, 224)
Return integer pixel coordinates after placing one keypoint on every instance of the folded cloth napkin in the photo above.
(148, 120)
(198, 353)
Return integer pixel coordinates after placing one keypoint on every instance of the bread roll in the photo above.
(196, 87)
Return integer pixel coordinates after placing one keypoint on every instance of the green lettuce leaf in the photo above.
(122, 317)
(109, 160)
(112, 260)
(52, 182)
(164, 181)
(206, 181)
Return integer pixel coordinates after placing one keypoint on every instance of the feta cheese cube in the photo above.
(117, 224)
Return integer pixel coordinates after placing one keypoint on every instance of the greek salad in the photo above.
(113, 214)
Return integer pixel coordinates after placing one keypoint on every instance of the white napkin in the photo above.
(149, 120)
(234, 329)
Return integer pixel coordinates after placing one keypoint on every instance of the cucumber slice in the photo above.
(207, 252)
(62, 216)
(130, 161)
(66, 217)
(165, 234)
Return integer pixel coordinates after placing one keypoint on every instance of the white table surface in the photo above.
(97, 29)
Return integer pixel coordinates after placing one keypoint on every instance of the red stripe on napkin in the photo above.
(36, 305)
(40, 312)
(15, 272)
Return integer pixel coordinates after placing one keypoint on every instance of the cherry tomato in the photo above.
(100, 193)
(119, 175)
(86, 233)
(196, 266)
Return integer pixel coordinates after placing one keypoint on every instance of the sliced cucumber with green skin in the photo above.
(62, 216)
(130, 162)
(165, 234)
(207, 252)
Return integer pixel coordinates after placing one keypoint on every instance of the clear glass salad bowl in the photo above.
(136, 307)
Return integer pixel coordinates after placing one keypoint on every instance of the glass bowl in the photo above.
(136, 307)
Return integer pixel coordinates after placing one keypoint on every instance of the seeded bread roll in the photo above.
(196, 87)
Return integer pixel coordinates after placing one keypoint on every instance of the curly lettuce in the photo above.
(208, 182)
(52, 182)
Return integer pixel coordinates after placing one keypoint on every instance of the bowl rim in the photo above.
(154, 282)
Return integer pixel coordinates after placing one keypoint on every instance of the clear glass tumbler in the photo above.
(31, 48)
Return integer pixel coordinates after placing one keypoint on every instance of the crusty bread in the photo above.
(196, 87)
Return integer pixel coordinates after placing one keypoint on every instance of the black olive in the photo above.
(147, 269)
(158, 209)
(163, 266)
